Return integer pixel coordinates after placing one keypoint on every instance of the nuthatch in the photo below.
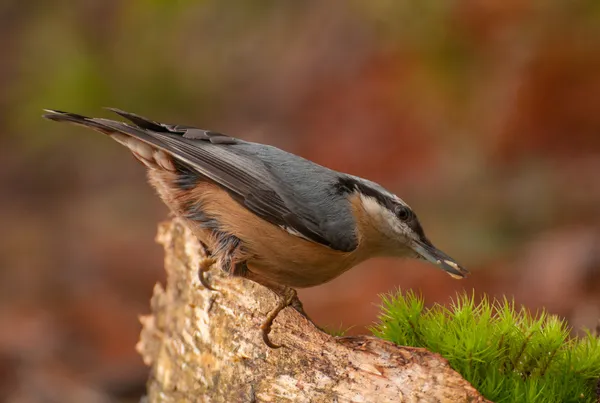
(265, 214)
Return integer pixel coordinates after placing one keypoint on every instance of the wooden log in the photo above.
(205, 346)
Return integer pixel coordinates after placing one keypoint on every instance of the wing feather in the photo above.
(215, 156)
(250, 182)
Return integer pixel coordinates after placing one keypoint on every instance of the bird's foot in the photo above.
(204, 266)
(288, 298)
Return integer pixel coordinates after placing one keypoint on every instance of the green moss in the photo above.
(508, 354)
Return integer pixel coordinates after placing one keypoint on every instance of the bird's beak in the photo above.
(432, 254)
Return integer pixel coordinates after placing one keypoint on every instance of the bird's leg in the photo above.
(288, 296)
(232, 259)
(206, 262)
(228, 254)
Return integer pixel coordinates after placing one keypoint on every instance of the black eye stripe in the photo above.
(347, 185)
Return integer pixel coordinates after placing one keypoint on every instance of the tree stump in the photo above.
(206, 346)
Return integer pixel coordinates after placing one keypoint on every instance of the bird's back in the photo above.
(282, 188)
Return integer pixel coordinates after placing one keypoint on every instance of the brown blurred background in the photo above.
(483, 115)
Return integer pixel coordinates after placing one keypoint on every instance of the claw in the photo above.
(204, 266)
(266, 329)
(288, 298)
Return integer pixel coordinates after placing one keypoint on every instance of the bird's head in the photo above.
(396, 228)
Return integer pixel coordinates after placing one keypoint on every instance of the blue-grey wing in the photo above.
(282, 188)
(281, 194)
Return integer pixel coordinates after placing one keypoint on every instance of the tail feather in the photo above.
(154, 144)
(107, 126)
(141, 121)
(149, 149)
(60, 116)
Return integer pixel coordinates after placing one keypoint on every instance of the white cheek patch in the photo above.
(386, 221)
(371, 206)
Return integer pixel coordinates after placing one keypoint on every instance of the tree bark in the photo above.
(205, 346)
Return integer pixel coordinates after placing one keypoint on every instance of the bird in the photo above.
(266, 214)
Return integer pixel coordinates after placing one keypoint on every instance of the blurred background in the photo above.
(483, 115)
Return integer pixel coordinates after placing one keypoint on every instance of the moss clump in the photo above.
(508, 354)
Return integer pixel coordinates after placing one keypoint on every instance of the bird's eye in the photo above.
(403, 213)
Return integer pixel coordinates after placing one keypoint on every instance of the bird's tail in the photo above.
(145, 145)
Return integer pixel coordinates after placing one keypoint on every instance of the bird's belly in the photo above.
(296, 274)
(269, 251)
(286, 259)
